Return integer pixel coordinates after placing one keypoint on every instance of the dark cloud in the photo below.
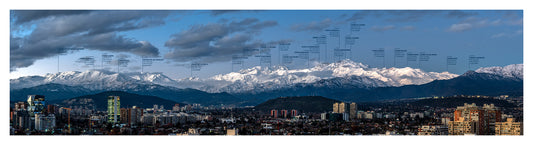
(23, 16)
(217, 41)
(86, 60)
(313, 26)
(58, 32)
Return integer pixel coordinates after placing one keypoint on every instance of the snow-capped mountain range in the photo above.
(258, 78)
(510, 71)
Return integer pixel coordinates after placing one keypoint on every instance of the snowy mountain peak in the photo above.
(509, 71)
(342, 73)
(278, 76)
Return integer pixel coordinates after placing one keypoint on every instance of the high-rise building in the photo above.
(45, 122)
(284, 113)
(353, 110)
(20, 106)
(21, 119)
(294, 112)
(136, 114)
(340, 107)
(509, 128)
(274, 113)
(463, 127)
(125, 116)
(176, 108)
(51, 109)
(36, 104)
(485, 117)
(335, 107)
(343, 107)
(113, 109)
(492, 114)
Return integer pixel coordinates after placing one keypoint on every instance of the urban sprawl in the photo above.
(35, 117)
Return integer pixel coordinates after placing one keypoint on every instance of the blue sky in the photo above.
(213, 37)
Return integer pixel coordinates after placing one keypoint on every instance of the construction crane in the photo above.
(69, 110)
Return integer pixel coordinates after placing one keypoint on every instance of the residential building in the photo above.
(463, 127)
(45, 122)
(294, 113)
(284, 113)
(274, 113)
(176, 108)
(113, 109)
(232, 131)
(432, 130)
(125, 116)
(509, 127)
(335, 107)
(353, 110)
(485, 117)
(340, 107)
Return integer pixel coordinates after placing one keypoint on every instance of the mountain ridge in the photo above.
(252, 79)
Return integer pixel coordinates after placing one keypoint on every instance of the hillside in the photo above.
(99, 101)
(303, 104)
(50, 91)
(451, 102)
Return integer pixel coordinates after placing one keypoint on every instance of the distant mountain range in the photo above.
(470, 83)
(256, 79)
(344, 80)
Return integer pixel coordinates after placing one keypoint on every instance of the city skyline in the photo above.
(166, 38)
